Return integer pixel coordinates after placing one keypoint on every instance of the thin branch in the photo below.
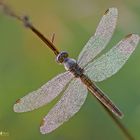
(53, 36)
(123, 129)
(25, 20)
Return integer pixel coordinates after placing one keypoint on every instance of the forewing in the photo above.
(108, 64)
(102, 36)
(69, 104)
(43, 95)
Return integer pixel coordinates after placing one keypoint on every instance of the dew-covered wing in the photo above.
(43, 95)
(70, 103)
(101, 38)
(111, 62)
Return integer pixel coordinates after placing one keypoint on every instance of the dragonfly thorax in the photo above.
(71, 65)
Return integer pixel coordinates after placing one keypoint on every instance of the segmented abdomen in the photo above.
(100, 95)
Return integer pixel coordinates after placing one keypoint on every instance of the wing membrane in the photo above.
(70, 103)
(108, 64)
(43, 95)
(102, 36)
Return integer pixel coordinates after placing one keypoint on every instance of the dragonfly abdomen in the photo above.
(101, 96)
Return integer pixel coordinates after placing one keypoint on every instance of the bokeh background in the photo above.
(26, 64)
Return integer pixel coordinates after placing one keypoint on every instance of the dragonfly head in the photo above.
(61, 57)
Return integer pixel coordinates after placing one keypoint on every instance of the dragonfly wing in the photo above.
(70, 103)
(43, 95)
(102, 36)
(111, 62)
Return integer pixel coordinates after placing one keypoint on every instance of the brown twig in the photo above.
(25, 20)
(118, 123)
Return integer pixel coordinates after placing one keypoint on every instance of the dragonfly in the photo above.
(81, 75)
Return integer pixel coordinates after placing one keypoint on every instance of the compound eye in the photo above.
(61, 57)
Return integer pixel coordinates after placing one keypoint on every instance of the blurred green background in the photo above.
(26, 64)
